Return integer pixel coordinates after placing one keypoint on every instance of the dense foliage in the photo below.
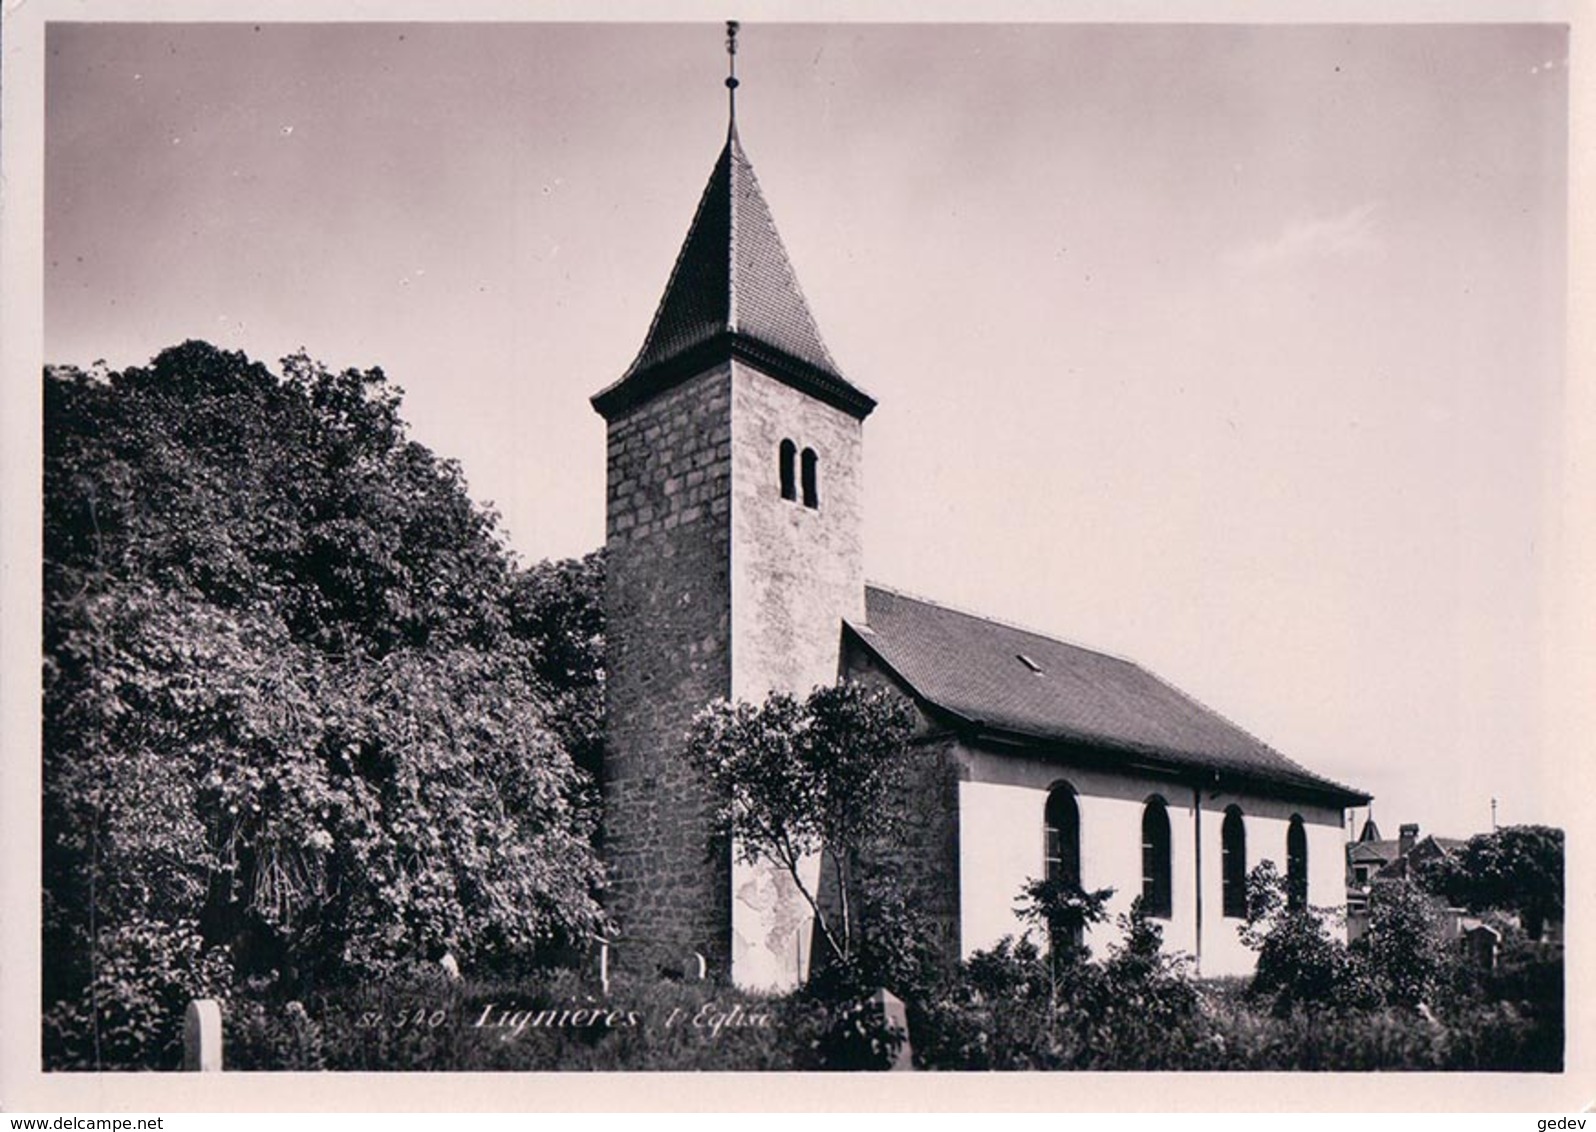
(550, 1020)
(1015, 1007)
(1404, 957)
(1315, 1004)
(558, 606)
(1517, 868)
(296, 707)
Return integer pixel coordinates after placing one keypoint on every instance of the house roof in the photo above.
(1020, 685)
(1390, 850)
(733, 292)
(1379, 852)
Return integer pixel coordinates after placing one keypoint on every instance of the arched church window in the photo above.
(1233, 864)
(1062, 823)
(789, 473)
(811, 470)
(1158, 898)
(1061, 826)
(1296, 864)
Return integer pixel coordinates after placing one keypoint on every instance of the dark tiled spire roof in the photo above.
(733, 293)
(1021, 687)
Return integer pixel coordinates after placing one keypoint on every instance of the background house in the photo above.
(1372, 859)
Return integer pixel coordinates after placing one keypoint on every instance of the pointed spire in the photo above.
(733, 293)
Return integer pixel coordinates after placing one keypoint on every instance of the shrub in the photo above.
(1323, 1040)
(1299, 963)
(1152, 1012)
(260, 1037)
(995, 1012)
(1011, 1008)
(841, 1033)
(1064, 910)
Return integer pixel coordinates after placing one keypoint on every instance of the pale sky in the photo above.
(1236, 351)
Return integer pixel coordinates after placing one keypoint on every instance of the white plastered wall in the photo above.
(1001, 805)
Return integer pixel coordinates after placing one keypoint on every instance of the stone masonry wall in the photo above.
(923, 861)
(668, 604)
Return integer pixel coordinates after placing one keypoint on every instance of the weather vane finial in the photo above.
(731, 68)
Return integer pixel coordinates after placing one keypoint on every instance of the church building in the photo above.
(735, 555)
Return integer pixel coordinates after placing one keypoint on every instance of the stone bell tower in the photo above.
(734, 547)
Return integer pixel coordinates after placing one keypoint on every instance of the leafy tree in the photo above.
(1405, 949)
(291, 731)
(560, 607)
(796, 778)
(1517, 868)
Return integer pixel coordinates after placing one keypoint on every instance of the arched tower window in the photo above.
(789, 472)
(1233, 864)
(1296, 864)
(1061, 824)
(811, 468)
(1158, 897)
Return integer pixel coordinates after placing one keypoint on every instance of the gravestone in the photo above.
(202, 1036)
(896, 1018)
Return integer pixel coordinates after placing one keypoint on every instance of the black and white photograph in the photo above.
(749, 543)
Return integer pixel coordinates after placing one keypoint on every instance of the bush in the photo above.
(1526, 971)
(1010, 1008)
(1299, 964)
(1003, 1009)
(258, 1037)
(995, 1012)
(839, 1033)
